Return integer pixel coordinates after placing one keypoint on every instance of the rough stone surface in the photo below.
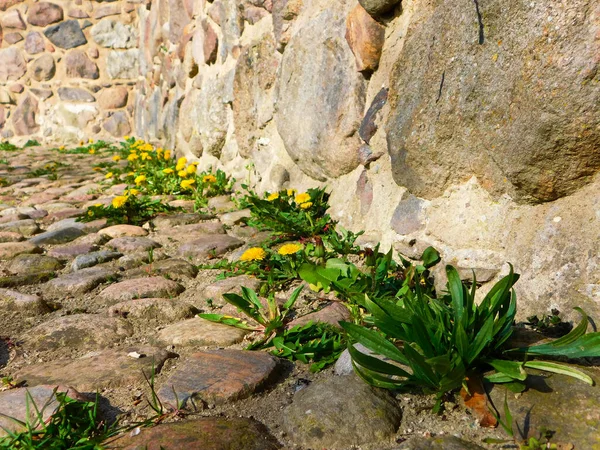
(132, 244)
(408, 216)
(98, 370)
(111, 33)
(9, 250)
(24, 116)
(208, 246)
(438, 443)
(117, 124)
(122, 64)
(217, 376)
(78, 331)
(121, 230)
(499, 113)
(200, 332)
(91, 259)
(27, 263)
(29, 305)
(341, 412)
(378, 7)
(174, 220)
(66, 35)
(113, 98)
(79, 282)
(153, 287)
(284, 14)
(44, 13)
(160, 309)
(70, 94)
(80, 66)
(13, 19)
(365, 36)
(34, 43)
(71, 251)
(207, 433)
(331, 314)
(175, 269)
(326, 144)
(59, 236)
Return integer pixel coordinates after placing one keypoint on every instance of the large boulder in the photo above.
(508, 91)
(316, 116)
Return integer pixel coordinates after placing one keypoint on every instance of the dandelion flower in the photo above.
(146, 156)
(191, 169)
(209, 179)
(61, 148)
(305, 205)
(289, 249)
(181, 163)
(126, 138)
(291, 192)
(140, 179)
(98, 205)
(131, 174)
(182, 174)
(302, 198)
(108, 175)
(116, 158)
(253, 254)
(90, 141)
(92, 151)
(273, 196)
(132, 157)
(186, 184)
(133, 192)
(168, 171)
(119, 201)
(167, 155)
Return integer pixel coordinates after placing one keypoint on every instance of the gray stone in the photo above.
(468, 100)
(71, 251)
(235, 217)
(169, 221)
(132, 244)
(152, 287)
(217, 376)
(79, 282)
(66, 35)
(66, 223)
(208, 246)
(111, 33)
(12, 64)
(26, 227)
(78, 65)
(438, 443)
(122, 64)
(408, 216)
(158, 309)
(326, 144)
(378, 7)
(77, 331)
(28, 263)
(23, 117)
(174, 269)
(27, 305)
(117, 124)
(341, 412)
(200, 332)
(60, 236)
(91, 259)
(34, 43)
(71, 94)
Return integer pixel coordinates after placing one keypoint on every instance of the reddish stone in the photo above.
(13, 19)
(44, 13)
(13, 38)
(107, 10)
(365, 36)
(210, 43)
(18, 88)
(34, 43)
(76, 13)
(5, 4)
(12, 64)
(23, 117)
(78, 65)
(331, 314)
(153, 287)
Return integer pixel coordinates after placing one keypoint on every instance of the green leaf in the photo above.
(560, 368)
(244, 305)
(456, 289)
(375, 364)
(512, 369)
(227, 320)
(293, 297)
(430, 257)
(585, 346)
(374, 342)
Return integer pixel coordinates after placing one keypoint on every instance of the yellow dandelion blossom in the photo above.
(97, 169)
(116, 158)
(289, 249)
(187, 184)
(209, 179)
(61, 148)
(291, 192)
(146, 148)
(98, 204)
(92, 151)
(108, 175)
(253, 254)
(90, 141)
(126, 138)
(181, 163)
(302, 198)
(191, 169)
(132, 157)
(140, 179)
(81, 142)
(182, 174)
(119, 201)
(132, 191)
(305, 205)
(146, 157)
(273, 196)
(131, 174)
(159, 152)
(167, 155)
(168, 171)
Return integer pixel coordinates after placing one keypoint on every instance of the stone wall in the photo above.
(470, 126)
(67, 69)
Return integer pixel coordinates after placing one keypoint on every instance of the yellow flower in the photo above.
(289, 249)
(140, 179)
(132, 157)
(119, 201)
(168, 171)
(98, 204)
(146, 156)
(159, 151)
(181, 162)
(302, 198)
(132, 191)
(108, 175)
(126, 138)
(90, 141)
(81, 142)
(291, 192)
(146, 148)
(209, 179)
(253, 254)
(92, 151)
(182, 174)
(191, 169)
(116, 158)
(62, 147)
(273, 196)
(186, 184)
(167, 155)
(97, 169)
(131, 174)
(305, 205)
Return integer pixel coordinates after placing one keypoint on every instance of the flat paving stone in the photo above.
(207, 433)
(131, 244)
(25, 280)
(66, 223)
(16, 403)
(94, 258)
(98, 370)
(235, 217)
(331, 314)
(152, 287)
(176, 269)
(32, 263)
(216, 290)
(28, 305)
(341, 412)
(184, 232)
(217, 376)
(208, 246)
(173, 220)
(9, 250)
(438, 443)
(200, 332)
(26, 227)
(117, 231)
(78, 331)
(79, 282)
(60, 236)
(65, 252)
(161, 309)
(10, 236)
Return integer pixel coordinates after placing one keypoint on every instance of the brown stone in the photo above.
(132, 244)
(331, 314)
(78, 65)
(160, 309)
(121, 230)
(28, 305)
(208, 246)
(210, 43)
(174, 269)
(153, 287)
(44, 13)
(107, 10)
(17, 88)
(23, 117)
(10, 236)
(13, 38)
(79, 282)
(5, 4)
(365, 36)
(13, 19)
(200, 332)
(43, 68)
(113, 98)
(12, 64)
(34, 43)
(217, 376)
(77, 13)
(117, 124)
